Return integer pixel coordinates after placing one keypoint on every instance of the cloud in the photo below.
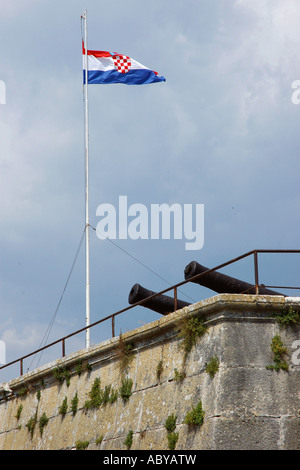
(10, 9)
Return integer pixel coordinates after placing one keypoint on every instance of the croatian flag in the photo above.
(111, 67)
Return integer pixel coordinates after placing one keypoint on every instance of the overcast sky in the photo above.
(222, 131)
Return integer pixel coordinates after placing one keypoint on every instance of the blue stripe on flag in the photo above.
(132, 77)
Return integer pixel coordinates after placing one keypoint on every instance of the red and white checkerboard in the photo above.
(122, 63)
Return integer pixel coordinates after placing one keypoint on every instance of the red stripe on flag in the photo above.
(96, 53)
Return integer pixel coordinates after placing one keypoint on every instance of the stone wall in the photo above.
(246, 404)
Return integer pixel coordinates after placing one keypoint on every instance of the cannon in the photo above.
(222, 283)
(160, 304)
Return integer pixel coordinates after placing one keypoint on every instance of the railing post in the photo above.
(256, 273)
(63, 348)
(113, 325)
(175, 299)
(21, 366)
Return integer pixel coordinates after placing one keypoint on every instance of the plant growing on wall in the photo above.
(74, 404)
(31, 424)
(63, 407)
(114, 394)
(288, 317)
(172, 439)
(126, 389)
(159, 369)
(179, 376)
(62, 374)
(99, 439)
(129, 439)
(195, 417)
(43, 421)
(109, 395)
(170, 423)
(125, 354)
(23, 391)
(95, 395)
(279, 351)
(99, 397)
(81, 445)
(190, 329)
(19, 411)
(172, 436)
(212, 366)
(106, 395)
(80, 367)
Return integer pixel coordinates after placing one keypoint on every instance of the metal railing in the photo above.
(173, 288)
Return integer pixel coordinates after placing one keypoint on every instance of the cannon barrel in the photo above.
(160, 304)
(222, 283)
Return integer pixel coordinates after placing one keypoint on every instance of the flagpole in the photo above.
(87, 219)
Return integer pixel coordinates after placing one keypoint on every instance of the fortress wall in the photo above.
(246, 405)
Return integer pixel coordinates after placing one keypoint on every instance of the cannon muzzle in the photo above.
(222, 283)
(160, 304)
